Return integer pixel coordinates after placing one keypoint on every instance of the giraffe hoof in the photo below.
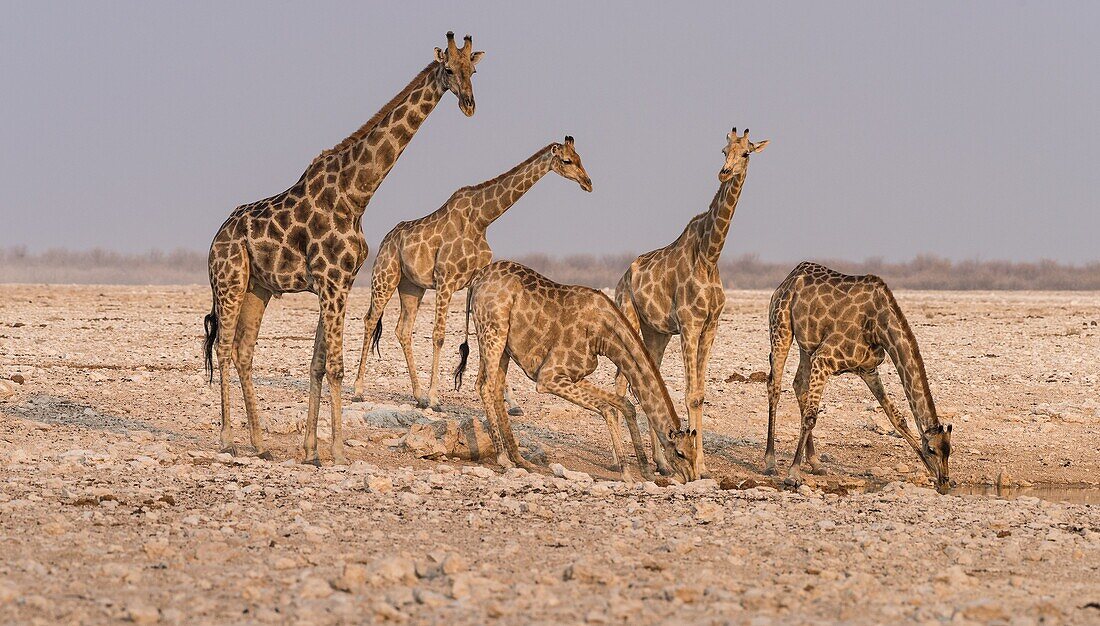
(818, 470)
(315, 462)
(231, 450)
(515, 411)
(664, 471)
(793, 481)
(266, 455)
(421, 403)
(770, 470)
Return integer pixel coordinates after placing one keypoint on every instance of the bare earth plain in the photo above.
(117, 506)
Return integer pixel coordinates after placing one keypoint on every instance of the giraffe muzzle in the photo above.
(466, 105)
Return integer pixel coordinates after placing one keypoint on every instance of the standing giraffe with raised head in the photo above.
(308, 238)
(555, 333)
(443, 250)
(677, 290)
(848, 324)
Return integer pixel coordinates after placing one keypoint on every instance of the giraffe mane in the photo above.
(377, 117)
(496, 179)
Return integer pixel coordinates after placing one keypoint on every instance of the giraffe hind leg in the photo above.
(781, 337)
(228, 281)
(248, 328)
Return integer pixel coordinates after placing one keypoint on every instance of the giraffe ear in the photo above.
(948, 429)
(760, 145)
(438, 55)
(671, 433)
(475, 58)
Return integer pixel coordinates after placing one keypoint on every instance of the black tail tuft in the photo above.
(210, 323)
(376, 337)
(463, 353)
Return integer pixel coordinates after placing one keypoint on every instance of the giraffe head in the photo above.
(567, 163)
(737, 151)
(680, 452)
(457, 68)
(935, 449)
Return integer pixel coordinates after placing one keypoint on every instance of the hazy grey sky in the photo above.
(968, 130)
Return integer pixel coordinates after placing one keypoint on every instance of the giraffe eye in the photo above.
(746, 155)
(450, 71)
(567, 161)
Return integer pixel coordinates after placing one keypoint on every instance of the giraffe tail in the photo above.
(210, 325)
(464, 349)
(376, 337)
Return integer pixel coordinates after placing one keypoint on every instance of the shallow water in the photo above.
(1074, 494)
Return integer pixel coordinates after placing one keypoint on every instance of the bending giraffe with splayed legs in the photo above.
(676, 290)
(442, 251)
(555, 333)
(308, 238)
(847, 324)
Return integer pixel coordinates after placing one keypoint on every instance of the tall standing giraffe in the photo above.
(847, 324)
(308, 238)
(555, 334)
(677, 290)
(443, 250)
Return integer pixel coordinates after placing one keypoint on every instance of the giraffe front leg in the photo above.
(316, 376)
(781, 337)
(818, 374)
(439, 334)
(587, 396)
(689, 340)
(333, 309)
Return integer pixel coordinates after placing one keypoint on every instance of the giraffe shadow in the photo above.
(59, 411)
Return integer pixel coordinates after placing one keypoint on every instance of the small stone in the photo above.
(468, 586)
(18, 379)
(285, 563)
(707, 512)
(758, 377)
(953, 576)
(355, 443)
(587, 572)
(142, 614)
(378, 484)
(478, 470)
(902, 468)
(393, 569)
(314, 588)
(561, 472)
(354, 578)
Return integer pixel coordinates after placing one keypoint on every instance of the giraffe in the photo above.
(308, 238)
(443, 250)
(847, 324)
(676, 289)
(555, 333)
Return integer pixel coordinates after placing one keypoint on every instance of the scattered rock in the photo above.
(707, 512)
(736, 378)
(314, 588)
(561, 472)
(18, 379)
(586, 572)
(758, 377)
(142, 614)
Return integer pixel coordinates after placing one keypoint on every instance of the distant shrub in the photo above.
(99, 266)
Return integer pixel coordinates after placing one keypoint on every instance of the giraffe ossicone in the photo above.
(308, 238)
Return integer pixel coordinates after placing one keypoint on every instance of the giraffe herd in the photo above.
(309, 238)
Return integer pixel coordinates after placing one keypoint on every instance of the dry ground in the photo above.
(116, 506)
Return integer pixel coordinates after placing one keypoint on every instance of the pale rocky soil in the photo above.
(116, 506)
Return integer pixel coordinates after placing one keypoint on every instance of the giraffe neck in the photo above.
(623, 347)
(717, 222)
(901, 345)
(362, 161)
(493, 197)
